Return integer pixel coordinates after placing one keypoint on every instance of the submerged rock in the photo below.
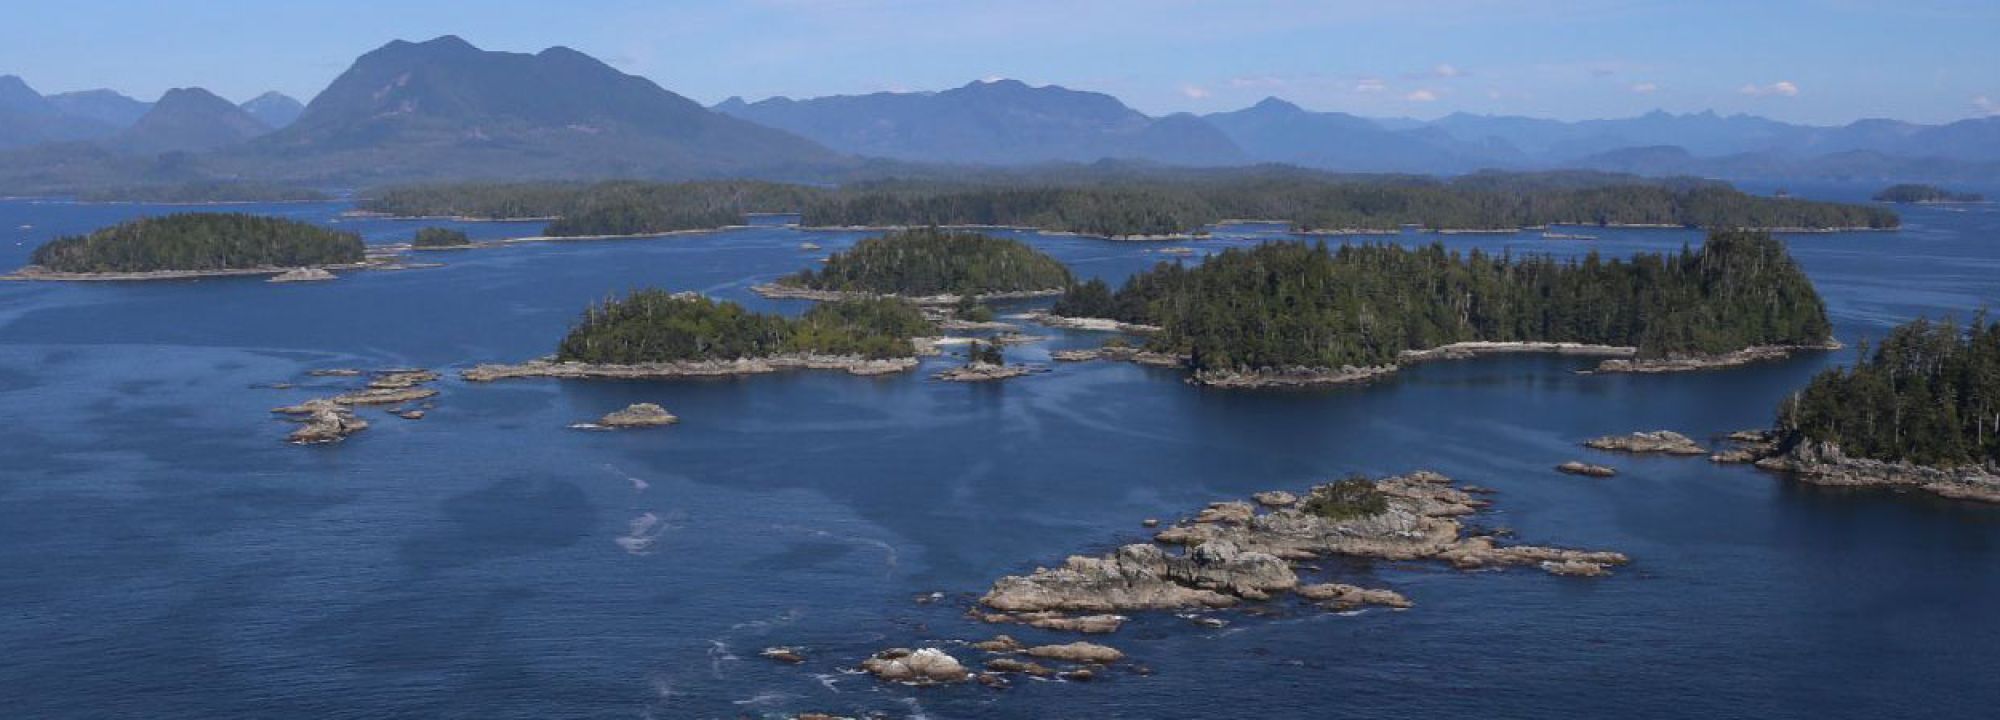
(1665, 442)
(790, 656)
(1015, 665)
(1575, 467)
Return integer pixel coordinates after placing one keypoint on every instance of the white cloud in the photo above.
(1781, 88)
(1421, 96)
(1645, 88)
(1370, 85)
(990, 79)
(1259, 81)
(1194, 92)
(1446, 70)
(1986, 106)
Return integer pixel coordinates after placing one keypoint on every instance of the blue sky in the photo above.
(1818, 61)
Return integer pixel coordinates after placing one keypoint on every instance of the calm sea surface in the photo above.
(164, 555)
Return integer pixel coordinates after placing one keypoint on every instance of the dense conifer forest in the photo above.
(200, 241)
(205, 192)
(609, 208)
(658, 326)
(1911, 193)
(1929, 393)
(929, 261)
(437, 237)
(1141, 206)
(1293, 304)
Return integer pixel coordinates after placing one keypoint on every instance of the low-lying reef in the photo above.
(933, 264)
(193, 243)
(1291, 313)
(1241, 552)
(1655, 442)
(332, 419)
(658, 334)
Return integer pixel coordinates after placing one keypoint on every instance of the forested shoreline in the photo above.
(1928, 393)
(200, 242)
(1128, 207)
(655, 326)
(1285, 305)
(930, 261)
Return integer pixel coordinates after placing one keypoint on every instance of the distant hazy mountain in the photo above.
(27, 118)
(109, 108)
(274, 109)
(188, 120)
(1707, 134)
(1002, 122)
(1278, 131)
(444, 108)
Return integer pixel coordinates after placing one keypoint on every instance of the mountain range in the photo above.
(444, 109)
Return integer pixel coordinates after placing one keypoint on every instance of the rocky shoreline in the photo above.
(548, 368)
(1823, 463)
(1293, 377)
(778, 291)
(1089, 324)
(1691, 363)
(1473, 349)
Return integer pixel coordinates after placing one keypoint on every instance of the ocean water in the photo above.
(164, 555)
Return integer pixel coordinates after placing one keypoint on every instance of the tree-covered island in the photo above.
(1298, 313)
(1164, 204)
(438, 237)
(1919, 410)
(658, 334)
(199, 242)
(930, 263)
(1914, 193)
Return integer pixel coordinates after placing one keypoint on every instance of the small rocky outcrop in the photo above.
(401, 379)
(1078, 652)
(923, 666)
(1275, 498)
(303, 275)
(1664, 442)
(1577, 467)
(1348, 597)
(325, 422)
(638, 415)
(999, 644)
(984, 372)
(385, 396)
(1052, 620)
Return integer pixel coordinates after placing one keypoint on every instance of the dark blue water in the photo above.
(164, 555)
